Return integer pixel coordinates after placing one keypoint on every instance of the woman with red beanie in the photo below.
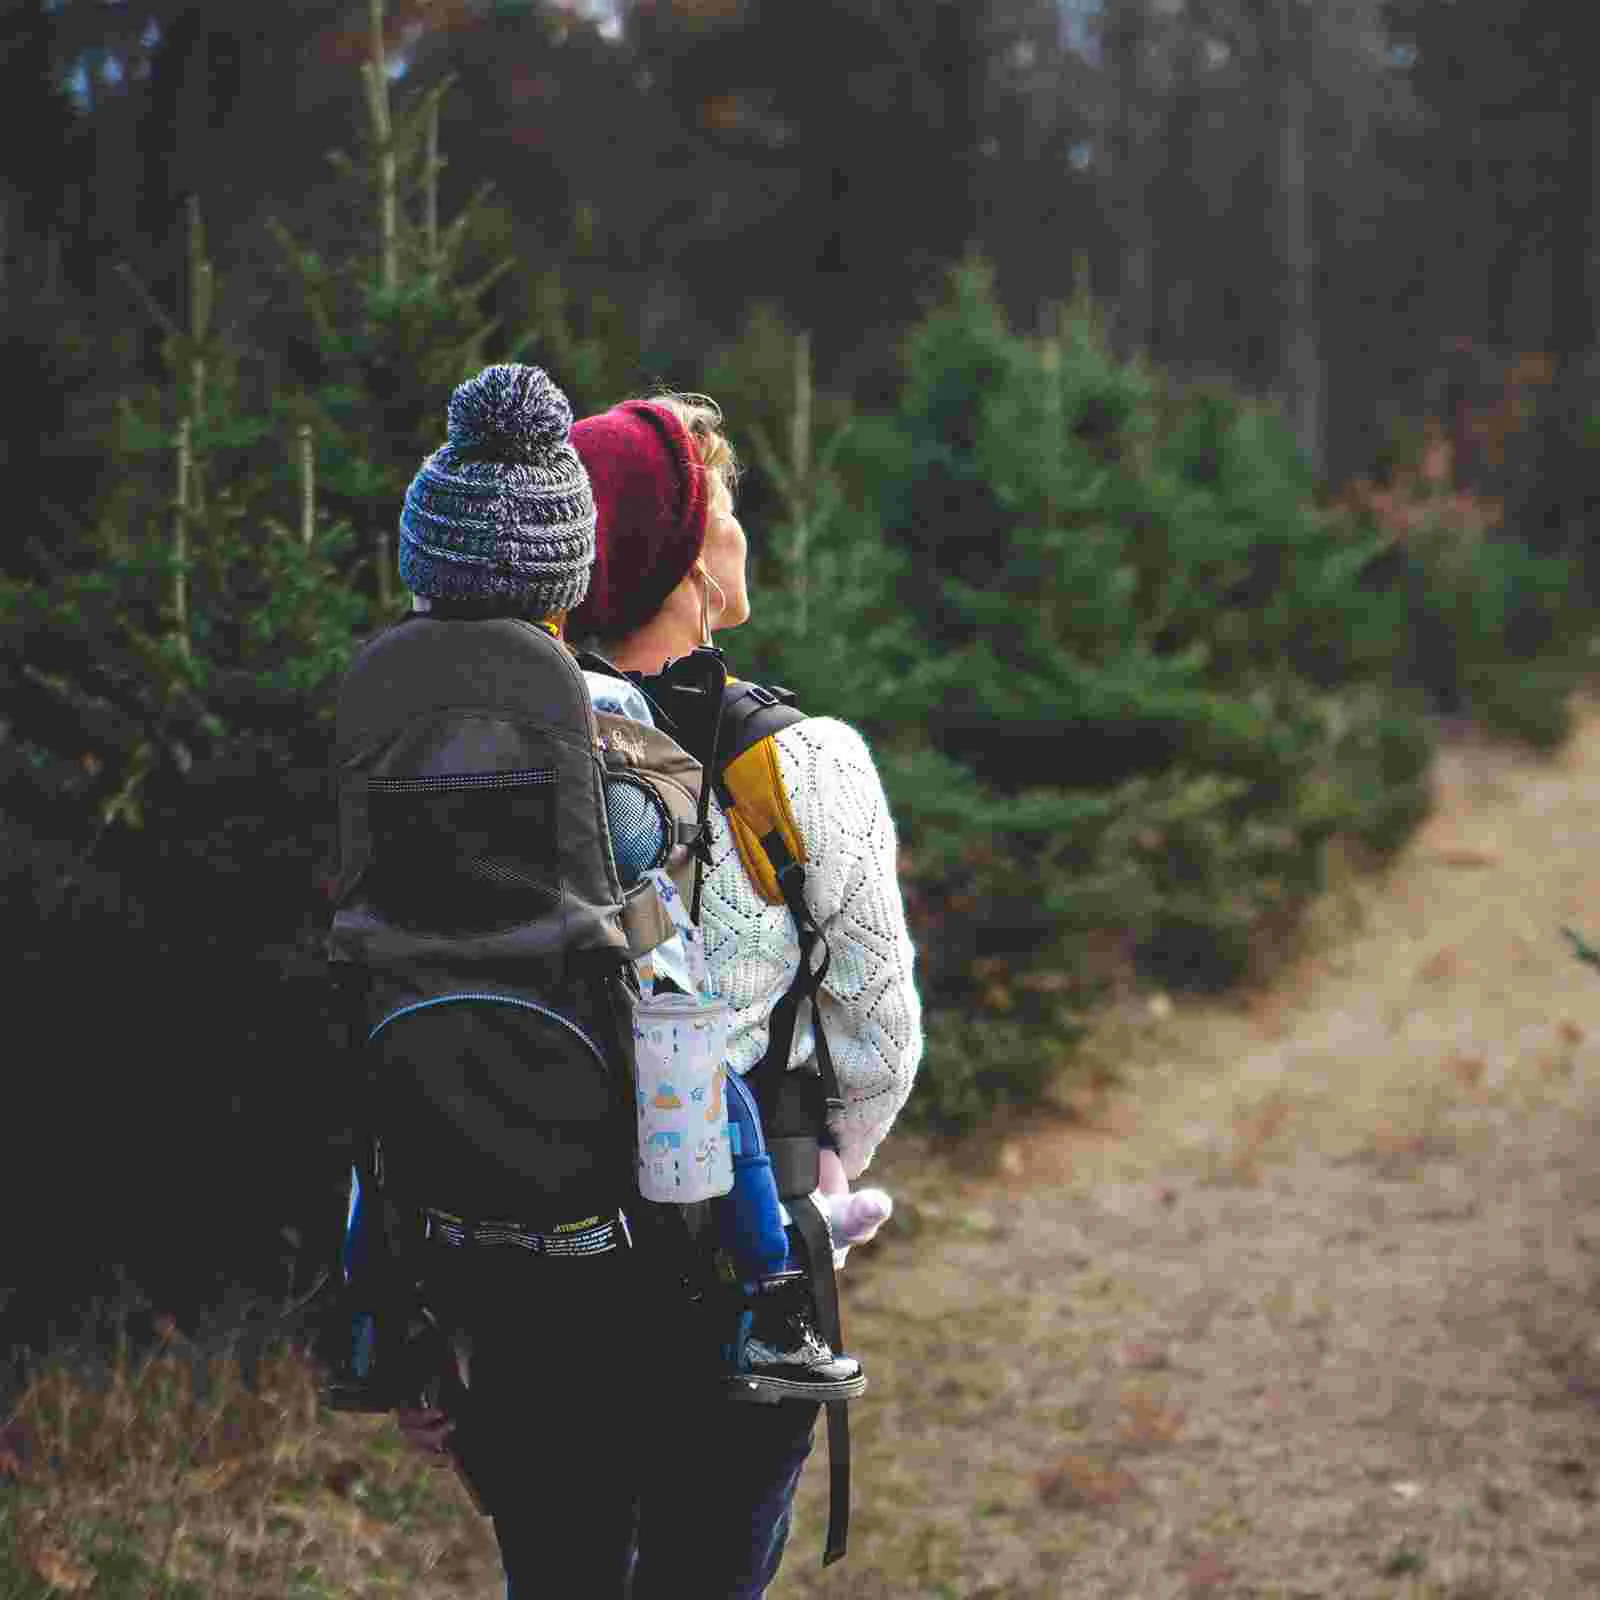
(669, 571)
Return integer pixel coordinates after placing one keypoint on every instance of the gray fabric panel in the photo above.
(395, 710)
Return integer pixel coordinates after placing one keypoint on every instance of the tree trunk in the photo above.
(374, 73)
(800, 475)
(306, 467)
(1570, 473)
(180, 538)
(1183, 205)
(1301, 377)
(1126, 39)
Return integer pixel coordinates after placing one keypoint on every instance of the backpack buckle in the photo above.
(762, 695)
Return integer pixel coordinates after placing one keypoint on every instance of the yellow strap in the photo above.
(760, 806)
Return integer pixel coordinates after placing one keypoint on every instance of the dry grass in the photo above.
(180, 1475)
(1084, 1483)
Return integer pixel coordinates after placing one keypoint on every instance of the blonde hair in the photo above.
(701, 417)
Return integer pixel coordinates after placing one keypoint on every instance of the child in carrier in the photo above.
(779, 1353)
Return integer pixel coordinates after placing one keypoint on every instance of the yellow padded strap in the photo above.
(760, 806)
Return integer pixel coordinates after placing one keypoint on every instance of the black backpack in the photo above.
(483, 942)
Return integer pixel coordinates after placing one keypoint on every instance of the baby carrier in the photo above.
(488, 913)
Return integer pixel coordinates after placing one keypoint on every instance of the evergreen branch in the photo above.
(124, 803)
(451, 240)
(306, 464)
(1582, 949)
(768, 457)
(85, 717)
(437, 91)
(311, 280)
(481, 285)
(377, 87)
(432, 165)
(148, 300)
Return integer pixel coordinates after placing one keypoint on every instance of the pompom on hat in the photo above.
(650, 498)
(502, 511)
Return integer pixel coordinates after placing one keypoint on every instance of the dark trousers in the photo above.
(611, 1461)
(706, 1514)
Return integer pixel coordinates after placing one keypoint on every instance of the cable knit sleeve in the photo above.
(869, 1001)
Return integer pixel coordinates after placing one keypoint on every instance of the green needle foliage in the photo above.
(1124, 676)
(170, 665)
(197, 612)
(1581, 948)
(398, 322)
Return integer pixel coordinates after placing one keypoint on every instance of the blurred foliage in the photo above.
(170, 664)
(1126, 678)
(186, 622)
(1125, 675)
(1581, 948)
(1492, 628)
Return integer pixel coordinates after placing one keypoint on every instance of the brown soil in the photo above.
(1305, 1307)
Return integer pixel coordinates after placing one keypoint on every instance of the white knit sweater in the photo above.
(868, 1000)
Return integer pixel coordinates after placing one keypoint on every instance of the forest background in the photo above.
(1158, 414)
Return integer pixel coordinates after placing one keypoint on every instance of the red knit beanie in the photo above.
(650, 514)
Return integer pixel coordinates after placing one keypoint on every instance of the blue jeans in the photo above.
(612, 1463)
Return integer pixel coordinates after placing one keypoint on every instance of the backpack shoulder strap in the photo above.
(773, 854)
(750, 786)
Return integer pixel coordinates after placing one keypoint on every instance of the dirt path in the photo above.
(1310, 1308)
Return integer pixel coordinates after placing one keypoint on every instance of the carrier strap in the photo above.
(750, 787)
(773, 1069)
(794, 1105)
(813, 1230)
(749, 784)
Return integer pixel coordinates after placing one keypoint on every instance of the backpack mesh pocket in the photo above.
(464, 853)
(641, 830)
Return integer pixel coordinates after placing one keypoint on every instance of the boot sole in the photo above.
(770, 1391)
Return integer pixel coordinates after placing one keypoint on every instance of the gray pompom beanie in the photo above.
(502, 511)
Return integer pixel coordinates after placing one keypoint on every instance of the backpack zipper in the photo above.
(521, 778)
(500, 999)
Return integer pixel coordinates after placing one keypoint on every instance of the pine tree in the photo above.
(398, 317)
(1120, 668)
(186, 617)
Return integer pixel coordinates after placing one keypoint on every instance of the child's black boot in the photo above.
(783, 1356)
